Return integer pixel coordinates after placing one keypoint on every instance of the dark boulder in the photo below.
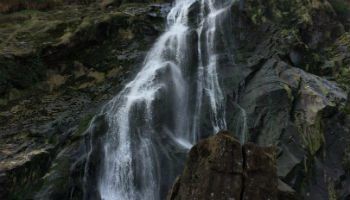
(221, 168)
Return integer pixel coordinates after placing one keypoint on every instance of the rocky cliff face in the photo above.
(57, 67)
(291, 81)
(288, 85)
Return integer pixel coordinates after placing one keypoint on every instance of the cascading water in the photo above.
(176, 93)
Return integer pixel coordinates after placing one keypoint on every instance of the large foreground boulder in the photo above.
(221, 168)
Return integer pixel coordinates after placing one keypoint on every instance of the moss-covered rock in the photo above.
(339, 59)
(44, 42)
(295, 30)
(221, 168)
(57, 67)
(292, 108)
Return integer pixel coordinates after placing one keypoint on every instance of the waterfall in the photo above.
(163, 109)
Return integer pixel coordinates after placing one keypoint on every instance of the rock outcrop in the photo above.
(221, 168)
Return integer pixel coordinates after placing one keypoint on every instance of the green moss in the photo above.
(341, 7)
(257, 16)
(343, 78)
(332, 194)
(312, 135)
(83, 125)
(285, 12)
(313, 139)
(28, 36)
(337, 54)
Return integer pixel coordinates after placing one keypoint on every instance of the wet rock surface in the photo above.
(291, 80)
(58, 67)
(221, 168)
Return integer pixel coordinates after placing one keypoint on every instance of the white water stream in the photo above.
(169, 99)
